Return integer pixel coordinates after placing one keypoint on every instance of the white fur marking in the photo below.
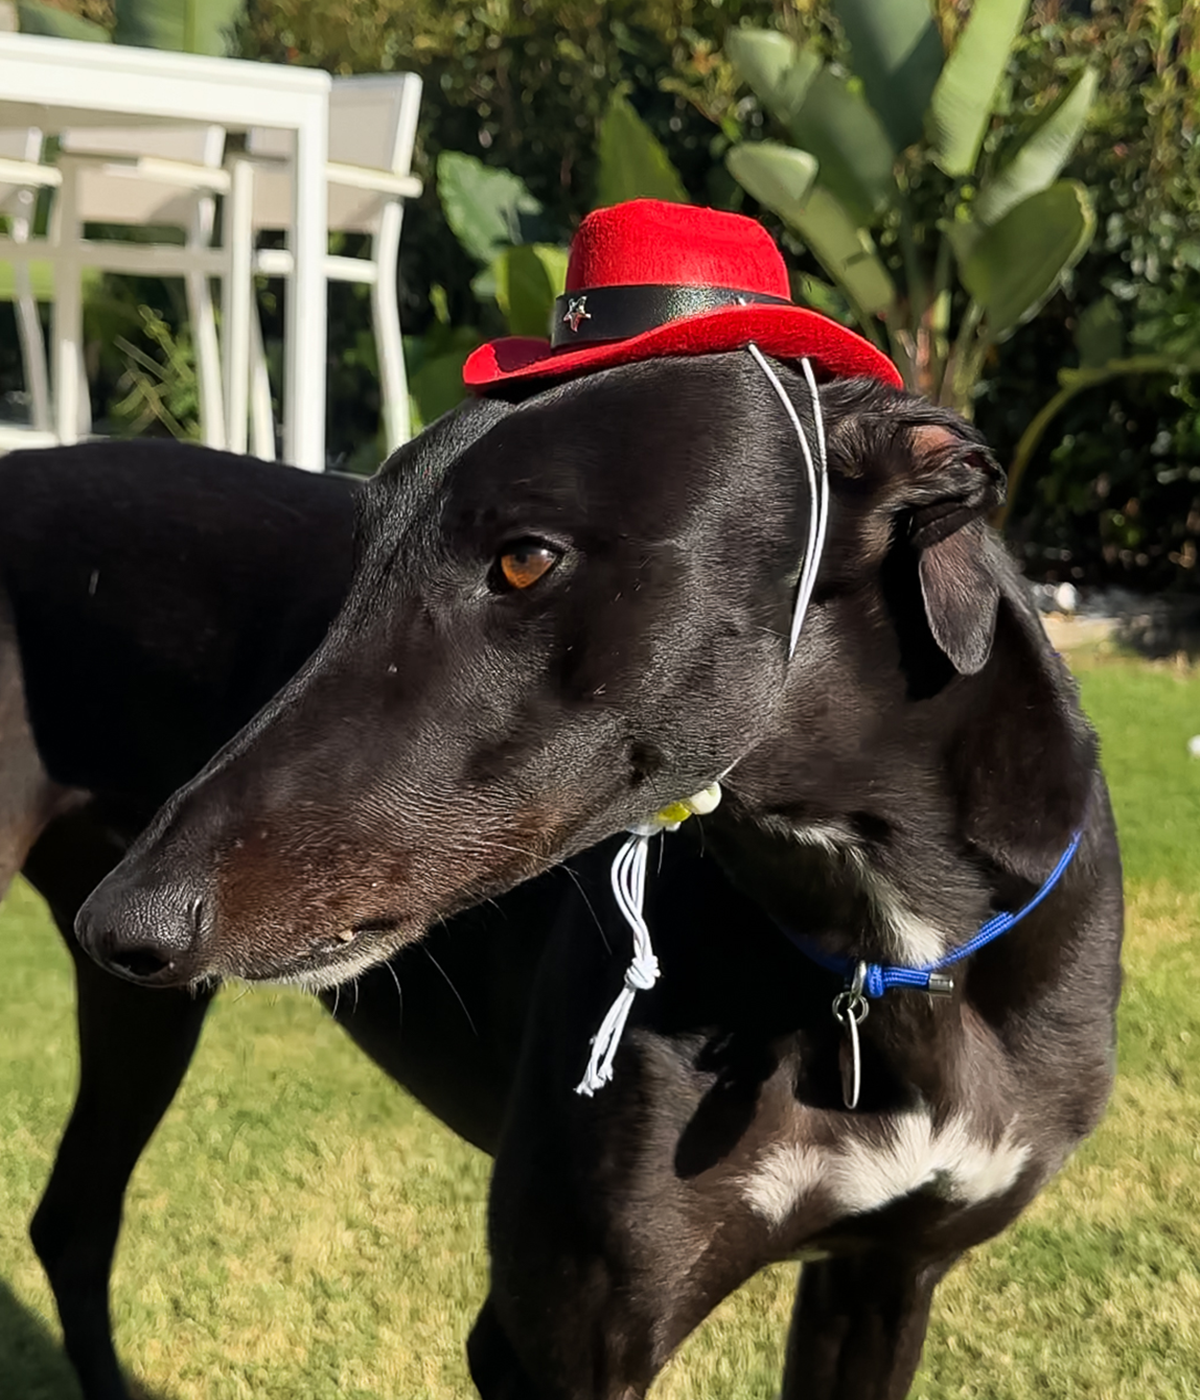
(913, 942)
(910, 939)
(785, 1173)
(833, 839)
(958, 1166)
(862, 1176)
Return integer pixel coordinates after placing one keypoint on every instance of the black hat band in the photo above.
(596, 314)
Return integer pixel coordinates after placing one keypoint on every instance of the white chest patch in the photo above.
(910, 939)
(833, 839)
(861, 1175)
(913, 942)
(784, 1175)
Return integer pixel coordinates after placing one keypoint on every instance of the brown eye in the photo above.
(525, 563)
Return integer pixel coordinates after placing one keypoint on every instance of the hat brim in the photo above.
(783, 332)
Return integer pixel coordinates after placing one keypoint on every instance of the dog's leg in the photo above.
(28, 797)
(859, 1325)
(135, 1046)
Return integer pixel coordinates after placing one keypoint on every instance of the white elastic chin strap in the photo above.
(629, 866)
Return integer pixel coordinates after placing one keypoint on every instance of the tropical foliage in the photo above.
(558, 92)
(519, 249)
(188, 26)
(1112, 488)
(937, 245)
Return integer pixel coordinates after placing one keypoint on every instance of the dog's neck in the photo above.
(917, 820)
(849, 884)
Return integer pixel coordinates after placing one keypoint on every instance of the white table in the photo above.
(56, 84)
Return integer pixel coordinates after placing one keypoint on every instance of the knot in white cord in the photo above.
(642, 973)
(628, 884)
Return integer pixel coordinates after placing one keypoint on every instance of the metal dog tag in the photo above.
(849, 1011)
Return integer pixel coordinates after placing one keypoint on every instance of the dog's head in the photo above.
(567, 612)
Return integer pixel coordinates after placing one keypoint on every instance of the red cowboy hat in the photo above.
(648, 278)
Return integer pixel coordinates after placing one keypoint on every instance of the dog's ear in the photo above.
(961, 597)
(958, 585)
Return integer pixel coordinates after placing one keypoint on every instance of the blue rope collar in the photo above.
(869, 979)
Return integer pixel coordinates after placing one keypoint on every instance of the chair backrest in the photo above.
(372, 123)
(123, 194)
(20, 143)
(193, 145)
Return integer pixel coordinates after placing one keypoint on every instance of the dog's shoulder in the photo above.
(145, 483)
(194, 581)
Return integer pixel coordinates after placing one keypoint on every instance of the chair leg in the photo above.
(67, 318)
(208, 360)
(262, 419)
(29, 329)
(238, 308)
(385, 313)
(204, 334)
(33, 352)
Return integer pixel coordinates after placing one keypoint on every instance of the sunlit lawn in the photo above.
(299, 1229)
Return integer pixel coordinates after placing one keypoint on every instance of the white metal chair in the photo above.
(153, 177)
(21, 177)
(372, 130)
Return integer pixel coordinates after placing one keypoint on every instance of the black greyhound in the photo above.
(152, 597)
(580, 617)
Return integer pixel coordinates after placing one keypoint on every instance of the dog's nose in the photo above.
(152, 935)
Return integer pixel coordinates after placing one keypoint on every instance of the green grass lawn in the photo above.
(298, 1228)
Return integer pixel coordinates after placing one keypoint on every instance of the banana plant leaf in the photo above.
(633, 163)
(1041, 158)
(187, 26)
(847, 254)
(528, 279)
(487, 208)
(33, 17)
(784, 181)
(821, 296)
(855, 157)
(897, 52)
(776, 70)
(778, 176)
(966, 91)
(1016, 265)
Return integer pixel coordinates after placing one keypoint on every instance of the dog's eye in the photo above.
(523, 564)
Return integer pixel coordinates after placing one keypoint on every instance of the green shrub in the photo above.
(1114, 492)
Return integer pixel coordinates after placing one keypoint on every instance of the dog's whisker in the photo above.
(453, 988)
(588, 905)
(399, 993)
